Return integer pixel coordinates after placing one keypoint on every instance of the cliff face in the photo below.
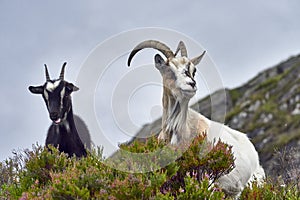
(267, 109)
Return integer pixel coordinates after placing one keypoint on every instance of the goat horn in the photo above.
(197, 60)
(151, 44)
(62, 72)
(181, 47)
(47, 73)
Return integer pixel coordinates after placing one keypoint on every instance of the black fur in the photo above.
(66, 141)
(63, 133)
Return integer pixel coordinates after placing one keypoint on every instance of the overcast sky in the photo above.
(241, 38)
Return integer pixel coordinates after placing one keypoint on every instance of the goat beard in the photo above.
(176, 120)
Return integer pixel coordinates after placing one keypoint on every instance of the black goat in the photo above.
(62, 132)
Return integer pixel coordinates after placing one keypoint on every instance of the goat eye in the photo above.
(194, 72)
(187, 73)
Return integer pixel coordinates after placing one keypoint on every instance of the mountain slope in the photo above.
(267, 109)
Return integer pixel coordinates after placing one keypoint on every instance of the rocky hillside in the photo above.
(267, 109)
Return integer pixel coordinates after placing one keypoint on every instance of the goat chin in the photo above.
(247, 168)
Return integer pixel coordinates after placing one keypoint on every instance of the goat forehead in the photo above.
(181, 67)
(179, 62)
(51, 86)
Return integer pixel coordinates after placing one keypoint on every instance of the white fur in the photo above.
(178, 66)
(181, 124)
(62, 94)
(52, 86)
(46, 96)
(247, 167)
(185, 123)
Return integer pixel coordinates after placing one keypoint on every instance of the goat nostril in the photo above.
(193, 84)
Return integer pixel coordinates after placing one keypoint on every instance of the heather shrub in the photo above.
(200, 165)
(191, 165)
(272, 191)
(186, 172)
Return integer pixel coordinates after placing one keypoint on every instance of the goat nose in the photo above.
(53, 115)
(193, 84)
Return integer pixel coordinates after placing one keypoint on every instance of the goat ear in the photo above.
(71, 87)
(159, 62)
(197, 60)
(36, 89)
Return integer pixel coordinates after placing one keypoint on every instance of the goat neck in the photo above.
(174, 119)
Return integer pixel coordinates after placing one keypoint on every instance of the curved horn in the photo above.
(47, 73)
(181, 47)
(151, 44)
(197, 60)
(62, 72)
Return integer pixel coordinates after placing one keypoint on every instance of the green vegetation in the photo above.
(272, 82)
(41, 174)
(235, 95)
(283, 127)
(232, 113)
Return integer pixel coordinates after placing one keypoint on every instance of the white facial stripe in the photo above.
(62, 94)
(46, 97)
(51, 86)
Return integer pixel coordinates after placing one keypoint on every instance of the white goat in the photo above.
(180, 123)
